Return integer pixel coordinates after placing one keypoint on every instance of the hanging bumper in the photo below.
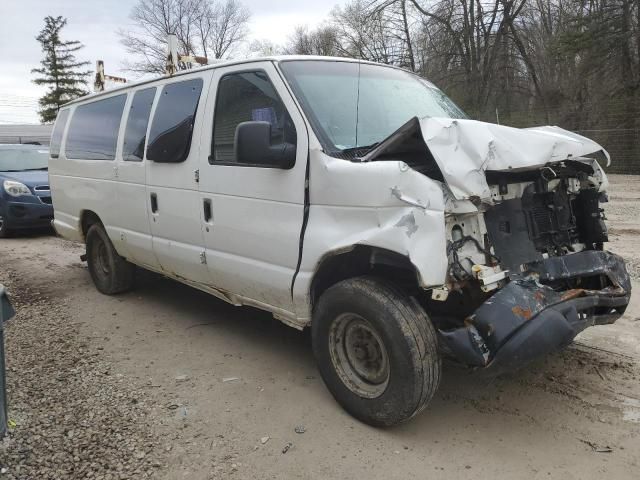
(527, 319)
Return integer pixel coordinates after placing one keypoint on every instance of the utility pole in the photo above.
(101, 78)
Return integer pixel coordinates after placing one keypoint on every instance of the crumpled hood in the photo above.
(466, 149)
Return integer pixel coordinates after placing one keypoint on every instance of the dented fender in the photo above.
(380, 204)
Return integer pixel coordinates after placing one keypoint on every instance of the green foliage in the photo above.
(59, 70)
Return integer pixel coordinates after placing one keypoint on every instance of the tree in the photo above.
(262, 48)
(573, 63)
(227, 24)
(207, 28)
(320, 41)
(367, 30)
(60, 70)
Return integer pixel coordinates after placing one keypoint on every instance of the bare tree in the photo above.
(229, 21)
(575, 63)
(262, 48)
(372, 31)
(320, 41)
(208, 28)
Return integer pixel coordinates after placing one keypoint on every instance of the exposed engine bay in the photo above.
(535, 214)
(529, 272)
(553, 211)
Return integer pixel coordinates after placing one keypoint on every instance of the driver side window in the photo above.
(248, 97)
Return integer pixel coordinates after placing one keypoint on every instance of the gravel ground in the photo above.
(74, 417)
(167, 382)
(623, 218)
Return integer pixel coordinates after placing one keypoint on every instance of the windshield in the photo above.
(20, 158)
(354, 105)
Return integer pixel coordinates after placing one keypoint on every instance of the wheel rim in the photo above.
(358, 355)
(101, 259)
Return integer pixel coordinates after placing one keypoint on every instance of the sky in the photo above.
(95, 23)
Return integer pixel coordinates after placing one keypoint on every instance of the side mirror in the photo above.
(252, 144)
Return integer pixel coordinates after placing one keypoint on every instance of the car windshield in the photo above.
(18, 159)
(353, 106)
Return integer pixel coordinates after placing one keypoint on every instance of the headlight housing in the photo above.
(16, 189)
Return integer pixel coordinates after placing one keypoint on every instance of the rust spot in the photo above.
(570, 294)
(522, 312)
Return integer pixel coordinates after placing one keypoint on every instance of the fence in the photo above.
(25, 134)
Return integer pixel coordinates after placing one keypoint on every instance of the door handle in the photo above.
(206, 205)
(154, 203)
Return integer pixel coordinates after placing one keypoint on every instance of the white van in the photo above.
(352, 198)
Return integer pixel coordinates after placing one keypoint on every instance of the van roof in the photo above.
(273, 58)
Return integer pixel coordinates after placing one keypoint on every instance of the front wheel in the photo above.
(376, 350)
(109, 271)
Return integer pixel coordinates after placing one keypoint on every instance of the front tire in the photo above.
(376, 350)
(110, 272)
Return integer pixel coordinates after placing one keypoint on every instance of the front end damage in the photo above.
(545, 274)
(527, 269)
(528, 317)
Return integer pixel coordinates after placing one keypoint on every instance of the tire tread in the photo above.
(415, 325)
(123, 274)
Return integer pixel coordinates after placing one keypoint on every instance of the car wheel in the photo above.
(109, 271)
(4, 229)
(376, 350)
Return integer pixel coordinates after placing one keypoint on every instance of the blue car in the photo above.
(25, 198)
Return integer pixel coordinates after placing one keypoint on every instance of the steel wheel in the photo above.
(376, 349)
(359, 355)
(101, 259)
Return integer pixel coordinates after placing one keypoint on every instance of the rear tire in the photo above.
(110, 272)
(376, 350)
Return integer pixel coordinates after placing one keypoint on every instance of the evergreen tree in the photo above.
(60, 69)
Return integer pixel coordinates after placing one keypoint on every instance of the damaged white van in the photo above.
(352, 198)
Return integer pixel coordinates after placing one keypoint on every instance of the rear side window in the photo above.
(58, 130)
(135, 132)
(172, 126)
(93, 131)
(247, 97)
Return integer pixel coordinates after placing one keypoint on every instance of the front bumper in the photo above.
(28, 214)
(527, 319)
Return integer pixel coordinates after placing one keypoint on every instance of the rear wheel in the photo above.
(109, 271)
(376, 350)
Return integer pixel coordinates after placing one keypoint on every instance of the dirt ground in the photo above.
(167, 382)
